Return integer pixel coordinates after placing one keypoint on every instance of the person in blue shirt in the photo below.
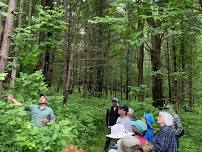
(41, 114)
(149, 120)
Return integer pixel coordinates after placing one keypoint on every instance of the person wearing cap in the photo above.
(149, 120)
(41, 114)
(179, 130)
(123, 118)
(139, 128)
(111, 117)
(165, 139)
(118, 131)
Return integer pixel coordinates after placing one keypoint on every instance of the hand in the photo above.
(10, 99)
(45, 121)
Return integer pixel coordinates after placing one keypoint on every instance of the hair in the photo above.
(167, 117)
(72, 149)
(40, 95)
(136, 148)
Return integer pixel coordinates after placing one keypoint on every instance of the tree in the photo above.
(6, 42)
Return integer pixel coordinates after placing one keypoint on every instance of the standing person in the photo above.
(123, 118)
(111, 117)
(179, 131)
(41, 114)
(149, 120)
(165, 139)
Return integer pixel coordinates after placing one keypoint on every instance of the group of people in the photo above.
(136, 135)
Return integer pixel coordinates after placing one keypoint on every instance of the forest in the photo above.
(81, 53)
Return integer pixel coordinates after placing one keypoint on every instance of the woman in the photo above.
(165, 139)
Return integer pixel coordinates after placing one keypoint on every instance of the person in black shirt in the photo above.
(111, 117)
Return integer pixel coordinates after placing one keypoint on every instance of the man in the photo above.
(111, 117)
(41, 114)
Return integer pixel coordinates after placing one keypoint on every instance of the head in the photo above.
(115, 102)
(127, 142)
(43, 99)
(148, 119)
(139, 127)
(130, 113)
(165, 118)
(72, 149)
(123, 110)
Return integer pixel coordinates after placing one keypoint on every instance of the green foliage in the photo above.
(32, 41)
(3, 76)
(135, 90)
(29, 86)
(19, 135)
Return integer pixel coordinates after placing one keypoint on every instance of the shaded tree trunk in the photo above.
(30, 12)
(169, 71)
(67, 49)
(141, 65)
(20, 19)
(157, 83)
(190, 77)
(6, 42)
(1, 26)
(174, 79)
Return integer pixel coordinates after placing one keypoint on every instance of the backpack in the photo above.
(175, 117)
(181, 134)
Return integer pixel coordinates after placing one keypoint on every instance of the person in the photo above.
(118, 131)
(179, 130)
(149, 120)
(111, 117)
(139, 128)
(130, 114)
(126, 143)
(72, 149)
(41, 114)
(165, 140)
(123, 118)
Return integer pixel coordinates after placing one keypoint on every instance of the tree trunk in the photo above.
(175, 83)
(100, 48)
(168, 69)
(6, 42)
(20, 19)
(30, 12)
(157, 89)
(13, 73)
(67, 49)
(141, 65)
(1, 26)
(190, 77)
(182, 67)
(127, 70)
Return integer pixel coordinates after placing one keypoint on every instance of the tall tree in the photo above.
(6, 42)
(20, 19)
(30, 12)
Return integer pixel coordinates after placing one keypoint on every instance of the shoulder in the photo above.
(49, 108)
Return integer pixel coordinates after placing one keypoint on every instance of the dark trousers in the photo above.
(107, 141)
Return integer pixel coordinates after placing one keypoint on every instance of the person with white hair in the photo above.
(165, 139)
